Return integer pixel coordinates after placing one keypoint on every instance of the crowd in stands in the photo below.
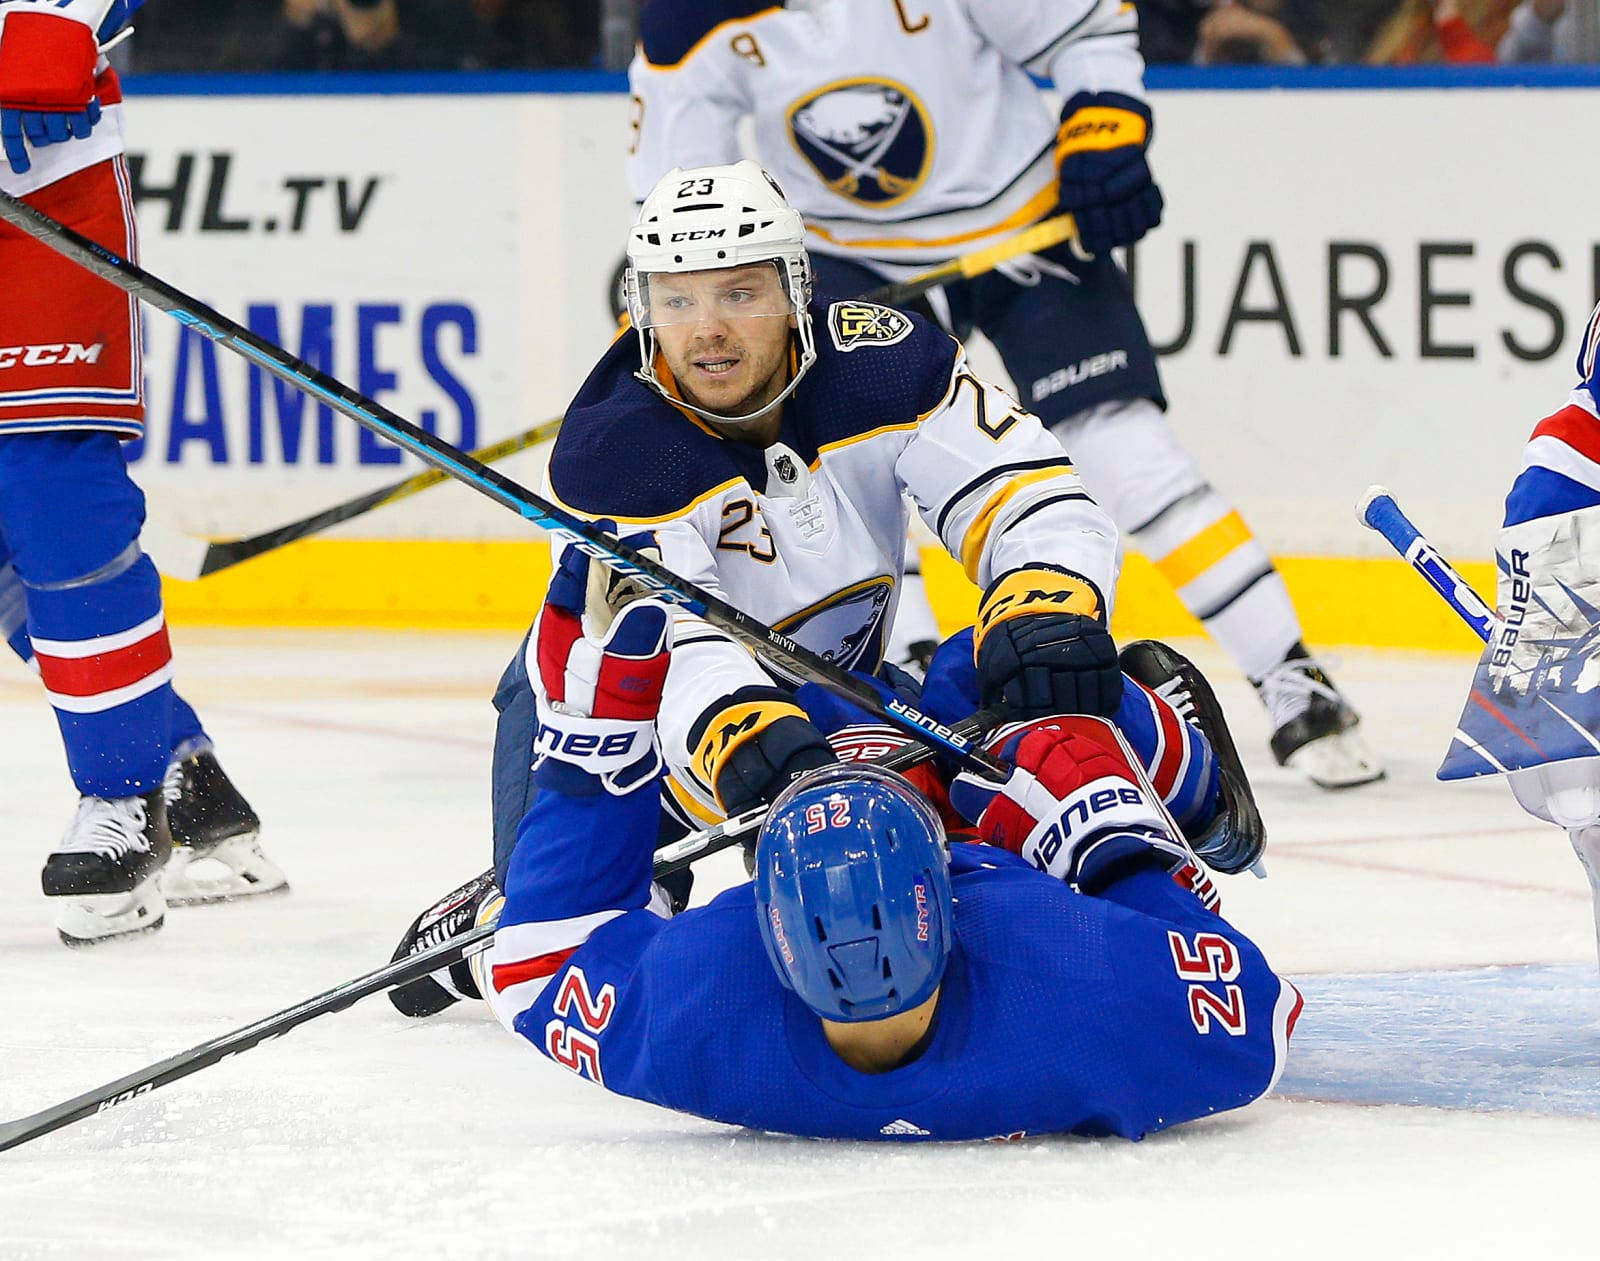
(475, 34)
(1368, 32)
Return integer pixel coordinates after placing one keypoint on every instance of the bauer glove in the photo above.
(599, 669)
(1105, 180)
(1041, 646)
(48, 54)
(1074, 805)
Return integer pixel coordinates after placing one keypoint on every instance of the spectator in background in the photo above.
(1553, 30)
(1231, 32)
(1456, 31)
(383, 35)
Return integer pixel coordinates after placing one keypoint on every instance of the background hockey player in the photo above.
(77, 597)
(1534, 710)
(866, 985)
(909, 131)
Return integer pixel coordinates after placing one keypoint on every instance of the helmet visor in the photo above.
(756, 291)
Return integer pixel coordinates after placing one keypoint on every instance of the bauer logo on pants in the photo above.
(854, 324)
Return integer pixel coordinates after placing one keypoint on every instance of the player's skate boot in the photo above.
(1313, 726)
(1235, 838)
(476, 902)
(216, 854)
(107, 869)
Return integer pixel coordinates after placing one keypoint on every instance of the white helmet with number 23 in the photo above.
(710, 218)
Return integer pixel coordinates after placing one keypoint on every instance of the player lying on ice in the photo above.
(873, 982)
(773, 444)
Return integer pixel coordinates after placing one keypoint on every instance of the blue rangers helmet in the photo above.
(852, 887)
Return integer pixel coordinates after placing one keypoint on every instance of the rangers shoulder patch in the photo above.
(855, 324)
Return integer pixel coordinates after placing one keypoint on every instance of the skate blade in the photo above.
(234, 868)
(93, 919)
(1340, 759)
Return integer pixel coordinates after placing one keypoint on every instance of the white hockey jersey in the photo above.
(808, 535)
(905, 131)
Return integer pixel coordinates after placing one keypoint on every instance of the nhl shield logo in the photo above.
(856, 324)
(870, 140)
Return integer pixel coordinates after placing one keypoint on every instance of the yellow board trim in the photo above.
(440, 585)
(1188, 561)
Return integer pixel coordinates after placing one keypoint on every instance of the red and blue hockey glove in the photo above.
(1042, 648)
(48, 54)
(599, 666)
(1074, 805)
(1105, 178)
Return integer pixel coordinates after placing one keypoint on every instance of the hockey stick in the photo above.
(776, 647)
(1378, 510)
(177, 555)
(186, 557)
(1041, 236)
(668, 859)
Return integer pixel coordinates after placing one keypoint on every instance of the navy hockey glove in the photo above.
(47, 59)
(751, 743)
(1074, 807)
(598, 674)
(1041, 646)
(1105, 178)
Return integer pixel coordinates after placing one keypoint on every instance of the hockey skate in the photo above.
(1234, 840)
(107, 869)
(476, 902)
(1313, 726)
(216, 855)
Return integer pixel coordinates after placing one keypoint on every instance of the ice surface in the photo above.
(1442, 1099)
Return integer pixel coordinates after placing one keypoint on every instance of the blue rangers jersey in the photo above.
(808, 535)
(1120, 1014)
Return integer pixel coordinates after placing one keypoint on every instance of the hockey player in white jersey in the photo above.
(909, 131)
(766, 444)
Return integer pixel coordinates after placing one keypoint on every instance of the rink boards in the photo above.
(1352, 285)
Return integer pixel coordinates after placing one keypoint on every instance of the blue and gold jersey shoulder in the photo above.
(669, 30)
(625, 452)
(877, 368)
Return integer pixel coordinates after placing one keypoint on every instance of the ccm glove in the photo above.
(48, 53)
(1105, 179)
(752, 743)
(599, 674)
(1073, 807)
(1041, 646)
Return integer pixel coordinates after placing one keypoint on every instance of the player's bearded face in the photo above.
(724, 334)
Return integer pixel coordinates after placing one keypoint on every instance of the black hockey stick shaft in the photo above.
(142, 1082)
(771, 644)
(230, 552)
(668, 859)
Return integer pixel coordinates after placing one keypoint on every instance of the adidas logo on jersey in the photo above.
(903, 1127)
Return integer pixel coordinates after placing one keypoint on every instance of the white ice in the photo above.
(1443, 1095)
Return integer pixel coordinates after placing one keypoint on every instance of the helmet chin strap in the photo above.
(647, 374)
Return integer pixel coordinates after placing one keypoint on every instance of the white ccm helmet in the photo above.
(712, 217)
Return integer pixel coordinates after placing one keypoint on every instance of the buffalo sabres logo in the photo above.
(853, 324)
(848, 627)
(869, 139)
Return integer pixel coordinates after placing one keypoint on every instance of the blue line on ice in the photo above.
(1518, 1039)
